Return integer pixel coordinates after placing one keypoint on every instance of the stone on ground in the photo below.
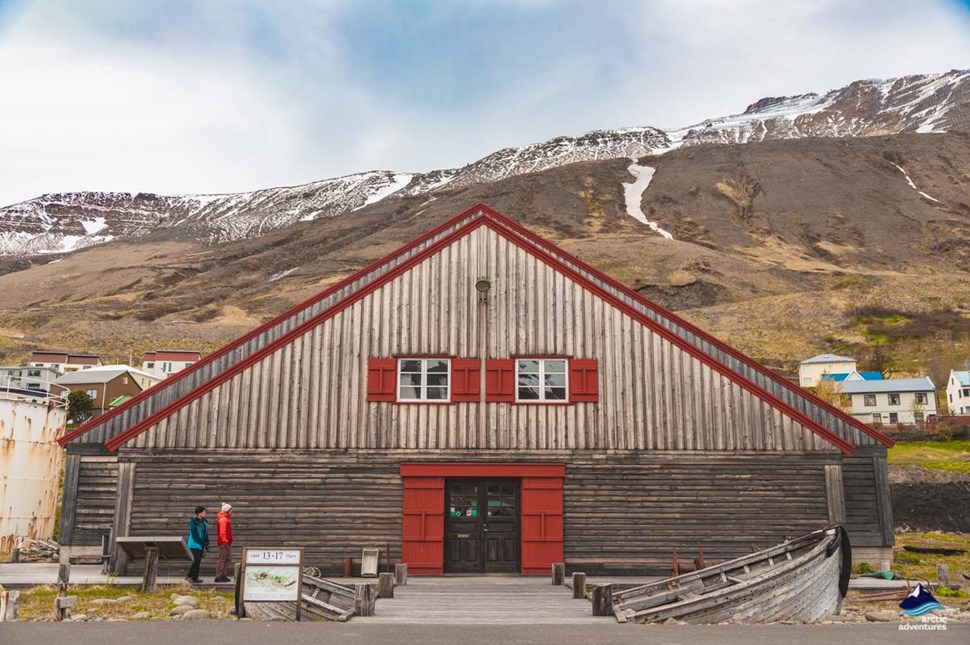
(196, 614)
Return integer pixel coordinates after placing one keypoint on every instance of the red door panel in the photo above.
(542, 524)
(423, 530)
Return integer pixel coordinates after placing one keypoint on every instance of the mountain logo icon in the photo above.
(919, 602)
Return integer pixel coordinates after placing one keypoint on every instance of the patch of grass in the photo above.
(862, 568)
(38, 602)
(922, 566)
(947, 592)
(936, 455)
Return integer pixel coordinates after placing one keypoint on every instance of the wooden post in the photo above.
(9, 605)
(603, 600)
(558, 573)
(61, 603)
(237, 588)
(943, 574)
(385, 585)
(364, 599)
(579, 585)
(401, 575)
(348, 567)
(15, 554)
(151, 570)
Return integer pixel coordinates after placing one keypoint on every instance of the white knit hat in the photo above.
(226, 507)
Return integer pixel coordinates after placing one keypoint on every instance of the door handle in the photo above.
(485, 528)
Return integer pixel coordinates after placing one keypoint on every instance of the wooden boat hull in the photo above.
(802, 580)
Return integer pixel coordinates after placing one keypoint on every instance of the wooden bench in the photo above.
(153, 548)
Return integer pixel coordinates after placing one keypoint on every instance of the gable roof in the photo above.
(922, 384)
(93, 375)
(827, 358)
(173, 390)
(853, 376)
(793, 402)
(962, 376)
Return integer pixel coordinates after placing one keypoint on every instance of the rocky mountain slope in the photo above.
(775, 246)
(58, 223)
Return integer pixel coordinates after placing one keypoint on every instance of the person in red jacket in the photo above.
(224, 541)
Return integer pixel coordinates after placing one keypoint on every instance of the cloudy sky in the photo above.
(178, 96)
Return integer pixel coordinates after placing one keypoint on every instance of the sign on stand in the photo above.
(272, 575)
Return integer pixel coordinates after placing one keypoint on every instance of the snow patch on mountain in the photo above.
(633, 195)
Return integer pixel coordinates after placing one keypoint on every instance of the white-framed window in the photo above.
(877, 417)
(92, 393)
(423, 379)
(893, 399)
(124, 380)
(541, 379)
(33, 373)
(893, 417)
(869, 400)
(149, 366)
(56, 366)
(35, 386)
(921, 398)
(167, 368)
(965, 392)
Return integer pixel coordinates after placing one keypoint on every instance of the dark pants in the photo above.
(196, 563)
(225, 559)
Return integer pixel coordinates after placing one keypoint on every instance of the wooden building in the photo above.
(480, 401)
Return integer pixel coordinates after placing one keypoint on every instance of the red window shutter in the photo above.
(584, 380)
(500, 380)
(382, 379)
(466, 379)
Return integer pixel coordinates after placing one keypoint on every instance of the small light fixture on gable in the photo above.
(482, 286)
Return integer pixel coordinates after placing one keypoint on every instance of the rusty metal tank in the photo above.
(30, 464)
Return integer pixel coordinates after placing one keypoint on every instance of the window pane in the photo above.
(411, 379)
(528, 393)
(438, 379)
(411, 366)
(556, 366)
(555, 394)
(528, 380)
(435, 365)
(437, 393)
(529, 366)
(555, 379)
(408, 392)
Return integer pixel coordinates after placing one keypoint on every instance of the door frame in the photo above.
(483, 518)
(540, 511)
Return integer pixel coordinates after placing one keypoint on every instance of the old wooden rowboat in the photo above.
(803, 579)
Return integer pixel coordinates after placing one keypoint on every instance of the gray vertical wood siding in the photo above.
(311, 393)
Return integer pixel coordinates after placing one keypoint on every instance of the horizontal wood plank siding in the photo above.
(94, 501)
(622, 511)
(672, 401)
(865, 508)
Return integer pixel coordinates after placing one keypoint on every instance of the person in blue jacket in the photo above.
(198, 542)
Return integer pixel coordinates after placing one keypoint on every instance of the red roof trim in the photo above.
(120, 439)
(466, 469)
(549, 246)
(225, 349)
(546, 258)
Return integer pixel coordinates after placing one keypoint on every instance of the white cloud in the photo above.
(220, 97)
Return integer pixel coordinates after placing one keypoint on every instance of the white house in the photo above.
(892, 401)
(165, 362)
(810, 371)
(958, 392)
(28, 377)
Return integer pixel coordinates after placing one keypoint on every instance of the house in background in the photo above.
(29, 378)
(64, 362)
(958, 392)
(103, 385)
(811, 370)
(165, 362)
(892, 401)
(144, 379)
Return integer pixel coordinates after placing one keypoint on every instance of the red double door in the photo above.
(482, 518)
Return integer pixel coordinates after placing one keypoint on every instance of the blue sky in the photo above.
(181, 96)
